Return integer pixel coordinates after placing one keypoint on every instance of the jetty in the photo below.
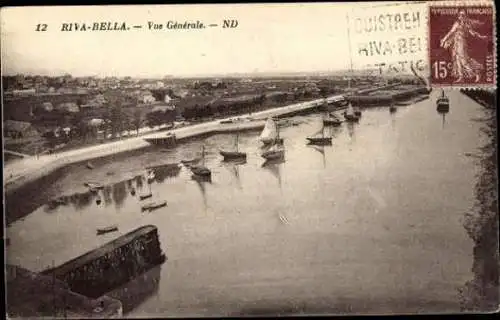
(109, 266)
(31, 294)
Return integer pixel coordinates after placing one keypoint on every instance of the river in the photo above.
(371, 224)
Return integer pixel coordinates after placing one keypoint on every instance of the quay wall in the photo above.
(385, 99)
(110, 266)
(31, 295)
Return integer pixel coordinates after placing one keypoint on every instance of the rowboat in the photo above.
(105, 230)
(154, 205)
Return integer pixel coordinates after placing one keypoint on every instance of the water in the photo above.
(372, 224)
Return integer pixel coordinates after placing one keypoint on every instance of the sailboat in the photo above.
(201, 170)
(357, 112)
(392, 108)
(331, 119)
(233, 155)
(320, 140)
(270, 134)
(443, 103)
(349, 114)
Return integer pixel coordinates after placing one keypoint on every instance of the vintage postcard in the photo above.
(228, 160)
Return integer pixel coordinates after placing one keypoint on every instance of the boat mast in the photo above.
(203, 155)
(350, 53)
(237, 135)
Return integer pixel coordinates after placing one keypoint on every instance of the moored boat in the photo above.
(332, 120)
(145, 196)
(105, 230)
(94, 185)
(269, 134)
(443, 103)
(201, 170)
(233, 155)
(154, 205)
(404, 103)
(349, 114)
(274, 152)
(318, 139)
(357, 112)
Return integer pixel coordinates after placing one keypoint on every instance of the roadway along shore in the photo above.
(26, 170)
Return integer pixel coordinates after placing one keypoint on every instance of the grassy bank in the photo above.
(481, 293)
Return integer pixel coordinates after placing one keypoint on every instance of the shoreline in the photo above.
(23, 171)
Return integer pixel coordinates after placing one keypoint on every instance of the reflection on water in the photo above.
(115, 193)
(273, 166)
(351, 130)
(201, 185)
(233, 167)
(138, 290)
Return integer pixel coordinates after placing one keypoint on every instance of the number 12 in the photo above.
(41, 27)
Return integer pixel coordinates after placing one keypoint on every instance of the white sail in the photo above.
(270, 132)
(350, 110)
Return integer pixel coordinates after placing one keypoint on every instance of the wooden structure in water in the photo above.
(169, 141)
(113, 264)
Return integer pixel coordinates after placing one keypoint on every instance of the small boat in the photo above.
(145, 196)
(393, 108)
(332, 120)
(201, 170)
(320, 140)
(357, 112)
(89, 166)
(443, 103)
(349, 114)
(151, 176)
(105, 230)
(404, 103)
(233, 155)
(226, 121)
(275, 152)
(154, 205)
(270, 133)
(93, 185)
(188, 162)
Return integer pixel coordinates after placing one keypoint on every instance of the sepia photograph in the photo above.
(233, 160)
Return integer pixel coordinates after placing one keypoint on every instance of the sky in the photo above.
(270, 38)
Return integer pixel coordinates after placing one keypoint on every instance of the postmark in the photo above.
(461, 46)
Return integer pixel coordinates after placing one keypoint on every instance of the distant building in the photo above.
(47, 106)
(160, 85)
(167, 99)
(146, 97)
(182, 93)
(98, 100)
(68, 107)
(19, 129)
(96, 122)
(163, 108)
(24, 92)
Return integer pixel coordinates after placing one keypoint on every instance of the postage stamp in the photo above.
(461, 45)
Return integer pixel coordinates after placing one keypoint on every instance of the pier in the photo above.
(30, 294)
(107, 267)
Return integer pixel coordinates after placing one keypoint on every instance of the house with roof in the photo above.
(47, 106)
(19, 129)
(146, 97)
(71, 107)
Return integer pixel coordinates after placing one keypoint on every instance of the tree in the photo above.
(138, 120)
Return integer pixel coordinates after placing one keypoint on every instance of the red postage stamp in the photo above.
(461, 46)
